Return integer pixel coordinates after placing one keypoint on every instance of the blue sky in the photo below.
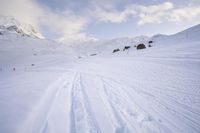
(83, 20)
(129, 27)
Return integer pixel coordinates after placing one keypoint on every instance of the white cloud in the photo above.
(190, 13)
(159, 13)
(168, 13)
(24, 10)
(111, 15)
(63, 23)
(146, 14)
(108, 13)
(77, 37)
(153, 13)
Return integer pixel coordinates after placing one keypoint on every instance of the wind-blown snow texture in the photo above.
(45, 88)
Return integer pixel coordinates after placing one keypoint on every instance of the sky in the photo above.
(85, 20)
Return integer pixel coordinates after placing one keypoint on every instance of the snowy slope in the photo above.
(186, 36)
(155, 90)
(24, 52)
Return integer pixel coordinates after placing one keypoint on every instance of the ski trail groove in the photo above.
(128, 116)
(82, 119)
(44, 108)
(141, 98)
(117, 118)
(60, 108)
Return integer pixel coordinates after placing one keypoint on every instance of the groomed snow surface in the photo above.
(45, 88)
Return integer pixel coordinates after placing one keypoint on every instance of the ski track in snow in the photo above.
(160, 102)
(122, 110)
(82, 119)
(127, 109)
(46, 111)
(92, 102)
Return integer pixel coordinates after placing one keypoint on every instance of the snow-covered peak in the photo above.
(11, 25)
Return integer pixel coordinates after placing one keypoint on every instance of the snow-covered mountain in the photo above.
(10, 25)
(107, 46)
(21, 44)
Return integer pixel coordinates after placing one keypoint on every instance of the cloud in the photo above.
(158, 13)
(153, 13)
(77, 37)
(109, 13)
(168, 13)
(24, 10)
(190, 13)
(146, 14)
(65, 24)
